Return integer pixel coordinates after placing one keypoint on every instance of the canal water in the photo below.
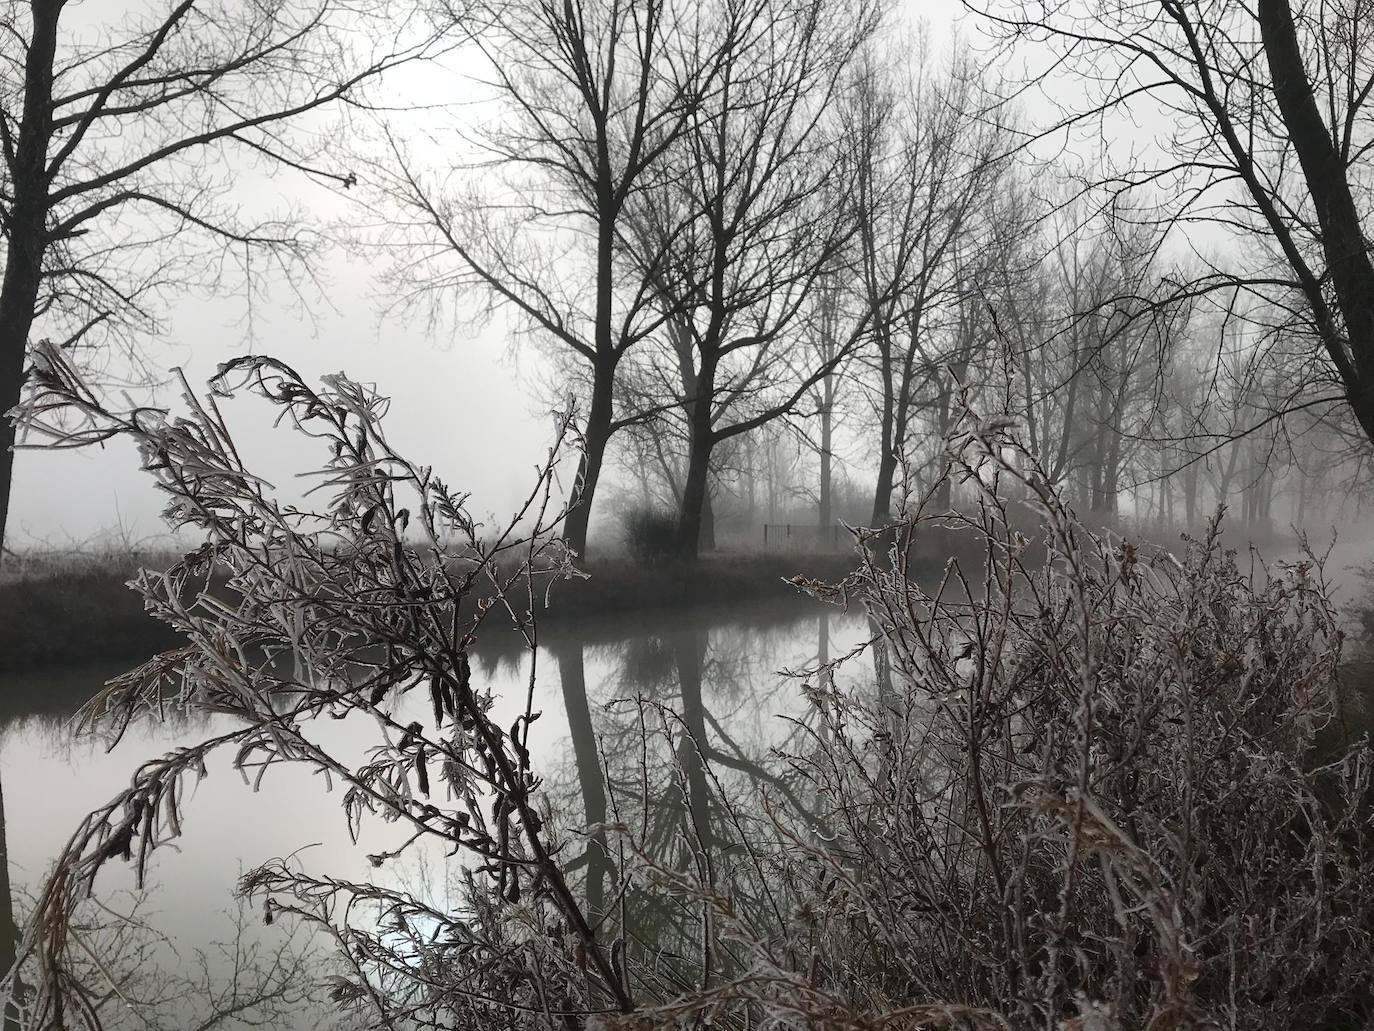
(733, 678)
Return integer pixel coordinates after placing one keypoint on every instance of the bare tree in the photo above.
(121, 145)
(927, 161)
(1263, 129)
(1087, 329)
(826, 341)
(590, 95)
(1126, 344)
(753, 213)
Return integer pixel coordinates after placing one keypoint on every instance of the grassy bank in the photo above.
(67, 611)
(66, 615)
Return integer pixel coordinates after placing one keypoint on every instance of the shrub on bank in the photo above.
(1082, 795)
(650, 533)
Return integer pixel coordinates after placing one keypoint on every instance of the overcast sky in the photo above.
(457, 404)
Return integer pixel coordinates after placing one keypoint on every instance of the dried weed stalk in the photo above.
(333, 612)
(1084, 794)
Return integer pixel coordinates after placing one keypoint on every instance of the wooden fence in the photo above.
(804, 537)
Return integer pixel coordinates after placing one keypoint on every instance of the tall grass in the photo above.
(61, 609)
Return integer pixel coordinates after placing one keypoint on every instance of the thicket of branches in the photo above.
(1080, 791)
(127, 139)
(766, 245)
(807, 230)
(139, 977)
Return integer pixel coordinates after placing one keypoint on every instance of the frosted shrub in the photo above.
(1079, 790)
(331, 613)
(1083, 795)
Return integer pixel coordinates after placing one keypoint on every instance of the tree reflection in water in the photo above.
(586, 759)
(678, 753)
(670, 732)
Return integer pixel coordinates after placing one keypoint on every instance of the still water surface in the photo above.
(721, 672)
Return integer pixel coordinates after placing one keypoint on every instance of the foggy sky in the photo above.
(457, 404)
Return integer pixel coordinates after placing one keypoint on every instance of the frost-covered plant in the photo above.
(1082, 795)
(139, 980)
(1079, 791)
(328, 613)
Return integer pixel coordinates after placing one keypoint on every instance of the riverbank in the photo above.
(65, 611)
(62, 616)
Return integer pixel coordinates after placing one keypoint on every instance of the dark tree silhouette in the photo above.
(590, 94)
(927, 161)
(1266, 132)
(121, 144)
(753, 212)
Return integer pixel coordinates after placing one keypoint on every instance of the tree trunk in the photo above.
(1066, 436)
(1111, 477)
(1305, 486)
(598, 431)
(1324, 168)
(751, 483)
(707, 535)
(1190, 489)
(694, 496)
(1099, 504)
(700, 443)
(882, 493)
(824, 516)
(943, 499)
(1166, 492)
(895, 440)
(595, 438)
(770, 470)
(1228, 473)
(27, 231)
(689, 651)
(887, 440)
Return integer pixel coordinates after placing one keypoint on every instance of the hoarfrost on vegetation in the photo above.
(1086, 786)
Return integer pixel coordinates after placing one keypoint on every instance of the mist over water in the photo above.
(483, 399)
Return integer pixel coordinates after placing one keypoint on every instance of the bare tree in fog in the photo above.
(826, 340)
(752, 212)
(1081, 344)
(925, 166)
(590, 96)
(1126, 344)
(121, 144)
(661, 385)
(1266, 135)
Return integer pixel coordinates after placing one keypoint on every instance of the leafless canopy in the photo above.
(126, 140)
(1257, 122)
